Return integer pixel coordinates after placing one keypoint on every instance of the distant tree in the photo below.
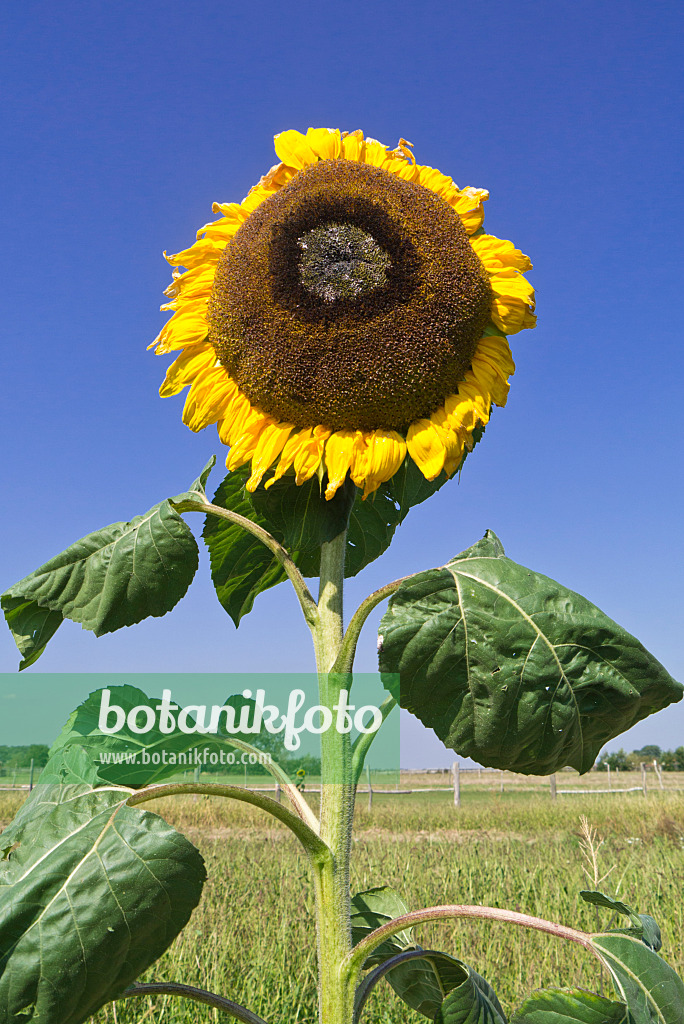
(617, 760)
(649, 752)
(669, 762)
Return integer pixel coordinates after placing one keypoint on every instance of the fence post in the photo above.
(610, 784)
(370, 788)
(643, 777)
(456, 774)
(277, 791)
(501, 789)
(659, 772)
(552, 784)
(31, 776)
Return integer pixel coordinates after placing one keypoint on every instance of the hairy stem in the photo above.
(337, 797)
(363, 949)
(347, 651)
(362, 743)
(171, 988)
(313, 844)
(296, 798)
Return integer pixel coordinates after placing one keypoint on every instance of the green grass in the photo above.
(252, 937)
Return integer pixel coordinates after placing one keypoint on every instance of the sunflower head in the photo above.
(348, 314)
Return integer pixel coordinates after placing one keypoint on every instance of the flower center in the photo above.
(340, 261)
(350, 298)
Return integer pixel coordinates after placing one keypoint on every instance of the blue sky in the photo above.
(123, 122)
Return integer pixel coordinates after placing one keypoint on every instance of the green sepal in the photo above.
(511, 668)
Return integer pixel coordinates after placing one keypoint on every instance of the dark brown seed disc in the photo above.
(350, 298)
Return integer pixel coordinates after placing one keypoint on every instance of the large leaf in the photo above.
(569, 1006)
(424, 982)
(512, 669)
(111, 578)
(31, 626)
(421, 981)
(372, 909)
(471, 1002)
(300, 519)
(652, 991)
(91, 893)
(129, 758)
(643, 927)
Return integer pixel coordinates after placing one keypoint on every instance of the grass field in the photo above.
(252, 937)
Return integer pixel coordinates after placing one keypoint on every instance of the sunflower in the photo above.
(348, 314)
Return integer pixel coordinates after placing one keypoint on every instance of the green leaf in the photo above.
(372, 909)
(241, 566)
(91, 893)
(652, 991)
(111, 578)
(408, 487)
(300, 519)
(644, 927)
(127, 758)
(424, 982)
(31, 626)
(471, 1002)
(512, 669)
(421, 981)
(569, 1006)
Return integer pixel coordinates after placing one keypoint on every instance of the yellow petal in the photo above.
(385, 452)
(353, 145)
(245, 446)
(223, 229)
(204, 251)
(496, 253)
(309, 454)
(185, 370)
(326, 143)
(452, 438)
(184, 328)
(468, 205)
(338, 458)
(465, 412)
(235, 415)
(269, 446)
(287, 456)
(208, 399)
(294, 150)
(495, 348)
(426, 448)
(375, 153)
(512, 301)
(192, 284)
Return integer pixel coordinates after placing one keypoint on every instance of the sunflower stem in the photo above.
(331, 879)
(347, 651)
